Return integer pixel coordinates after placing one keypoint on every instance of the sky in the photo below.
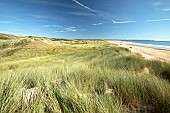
(87, 19)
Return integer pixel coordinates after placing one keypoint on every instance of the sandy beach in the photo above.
(146, 52)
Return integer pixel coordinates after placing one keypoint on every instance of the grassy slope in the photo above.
(80, 76)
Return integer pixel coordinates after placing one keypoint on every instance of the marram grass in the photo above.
(82, 78)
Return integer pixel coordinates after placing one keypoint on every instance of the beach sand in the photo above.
(147, 52)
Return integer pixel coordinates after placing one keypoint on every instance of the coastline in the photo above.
(147, 52)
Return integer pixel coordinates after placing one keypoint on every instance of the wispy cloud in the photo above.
(51, 3)
(46, 26)
(59, 26)
(39, 16)
(44, 17)
(123, 22)
(82, 5)
(19, 19)
(66, 29)
(97, 24)
(71, 29)
(6, 22)
(156, 3)
(157, 20)
(59, 31)
(15, 18)
(82, 14)
(166, 9)
(12, 17)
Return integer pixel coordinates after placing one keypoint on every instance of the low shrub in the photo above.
(4, 45)
(22, 42)
(161, 69)
(4, 38)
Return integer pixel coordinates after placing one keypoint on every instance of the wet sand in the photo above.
(146, 52)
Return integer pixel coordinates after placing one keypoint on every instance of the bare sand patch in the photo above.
(146, 52)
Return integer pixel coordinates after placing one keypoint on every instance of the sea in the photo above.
(151, 43)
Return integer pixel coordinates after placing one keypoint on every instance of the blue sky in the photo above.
(97, 19)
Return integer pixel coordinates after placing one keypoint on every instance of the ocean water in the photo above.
(151, 43)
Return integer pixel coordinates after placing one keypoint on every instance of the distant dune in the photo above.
(7, 37)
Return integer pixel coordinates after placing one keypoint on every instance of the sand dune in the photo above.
(146, 52)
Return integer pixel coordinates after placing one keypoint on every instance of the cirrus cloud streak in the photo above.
(157, 20)
(123, 22)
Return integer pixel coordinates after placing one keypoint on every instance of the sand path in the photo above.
(146, 52)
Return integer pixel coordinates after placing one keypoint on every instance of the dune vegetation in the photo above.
(43, 75)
